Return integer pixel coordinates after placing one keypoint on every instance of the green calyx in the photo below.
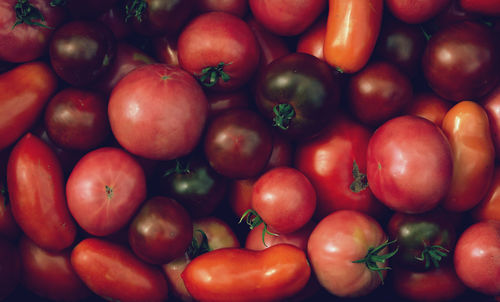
(28, 14)
(432, 254)
(55, 3)
(283, 114)
(135, 9)
(372, 257)
(181, 167)
(360, 182)
(210, 75)
(198, 248)
(253, 219)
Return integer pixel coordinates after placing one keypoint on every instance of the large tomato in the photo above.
(416, 11)
(158, 111)
(105, 189)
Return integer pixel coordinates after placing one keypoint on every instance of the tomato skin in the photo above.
(105, 189)
(397, 151)
(50, 274)
(476, 257)
(484, 7)
(339, 239)
(313, 39)
(8, 226)
(235, 274)
(112, 271)
(416, 11)
(36, 188)
(352, 30)
(26, 89)
(236, 7)
(429, 106)
(489, 207)
(467, 127)
(10, 272)
(491, 103)
(240, 195)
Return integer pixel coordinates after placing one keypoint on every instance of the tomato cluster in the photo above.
(249, 150)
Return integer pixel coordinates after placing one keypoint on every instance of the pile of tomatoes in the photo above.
(249, 150)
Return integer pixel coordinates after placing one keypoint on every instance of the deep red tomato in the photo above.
(286, 17)
(222, 101)
(235, 274)
(8, 226)
(165, 49)
(484, 7)
(114, 19)
(10, 268)
(489, 207)
(50, 274)
(158, 111)
(220, 50)
(335, 163)
(36, 189)
(236, 7)
(114, 273)
(105, 189)
(452, 13)
(281, 155)
(429, 106)
(467, 127)
(339, 240)
(476, 257)
(397, 153)
(313, 39)
(416, 11)
(161, 230)
(491, 103)
(240, 195)
(26, 90)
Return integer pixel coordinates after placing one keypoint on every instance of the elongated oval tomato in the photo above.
(113, 272)
(36, 187)
(351, 33)
(467, 127)
(235, 274)
(24, 92)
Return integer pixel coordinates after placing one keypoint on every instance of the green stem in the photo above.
(181, 167)
(3, 192)
(198, 248)
(432, 254)
(55, 3)
(210, 75)
(426, 34)
(28, 14)
(136, 9)
(253, 219)
(283, 114)
(360, 182)
(372, 257)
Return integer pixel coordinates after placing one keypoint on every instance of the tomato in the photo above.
(220, 50)
(238, 143)
(105, 189)
(26, 89)
(298, 238)
(72, 58)
(416, 11)
(298, 93)
(452, 13)
(114, 273)
(286, 17)
(234, 274)
(489, 207)
(352, 30)
(379, 92)
(50, 274)
(161, 230)
(476, 257)
(77, 119)
(484, 7)
(240, 195)
(464, 73)
(281, 154)
(335, 163)
(8, 226)
(491, 104)
(430, 106)
(396, 155)
(165, 50)
(467, 127)
(236, 7)
(337, 244)
(36, 188)
(28, 40)
(222, 101)
(114, 19)
(284, 198)
(168, 114)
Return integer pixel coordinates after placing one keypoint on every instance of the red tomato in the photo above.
(26, 90)
(281, 154)
(430, 106)
(165, 50)
(222, 101)
(10, 268)
(341, 238)
(286, 17)
(476, 257)
(416, 11)
(467, 127)
(313, 39)
(397, 153)
(8, 226)
(36, 188)
(50, 274)
(284, 198)
(491, 103)
(352, 30)
(484, 7)
(240, 195)
(114, 273)
(234, 274)
(105, 189)
(236, 7)
(158, 111)
(335, 163)
(489, 207)
(220, 50)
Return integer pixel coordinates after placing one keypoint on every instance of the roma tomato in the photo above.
(491, 103)
(416, 11)
(484, 7)
(26, 89)
(220, 50)
(105, 189)
(158, 111)
(348, 253)
(50, 274)
(36, 188)
(234, 274)
(335, 163)
(10, 268)
(476, 257)
(114, 273)
(397, 153)
(352, 30)
(429, 106)
(467, 127)
(489, 207)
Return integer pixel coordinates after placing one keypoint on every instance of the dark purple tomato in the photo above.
(238, 143)
(88, 8)
(81, 51)
(461, 61)
(114, 18)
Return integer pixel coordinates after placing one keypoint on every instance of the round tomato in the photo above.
(313, 39)
(491, 104)
(416, 11)
(235, 7)
(430, 106)
(484, 7)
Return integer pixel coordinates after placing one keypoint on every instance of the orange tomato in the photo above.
(429, 106)
(489, 207)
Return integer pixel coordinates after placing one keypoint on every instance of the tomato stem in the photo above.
(210, 75)
(360, 182)
(109, 192)
(283, 114)
(372, 257)
(136, 9)
(253, 219)
(28, 14)
(181, 167)
(196, 249)
(55, 3)
(434, 254)
(426, 34)
(5, 195)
